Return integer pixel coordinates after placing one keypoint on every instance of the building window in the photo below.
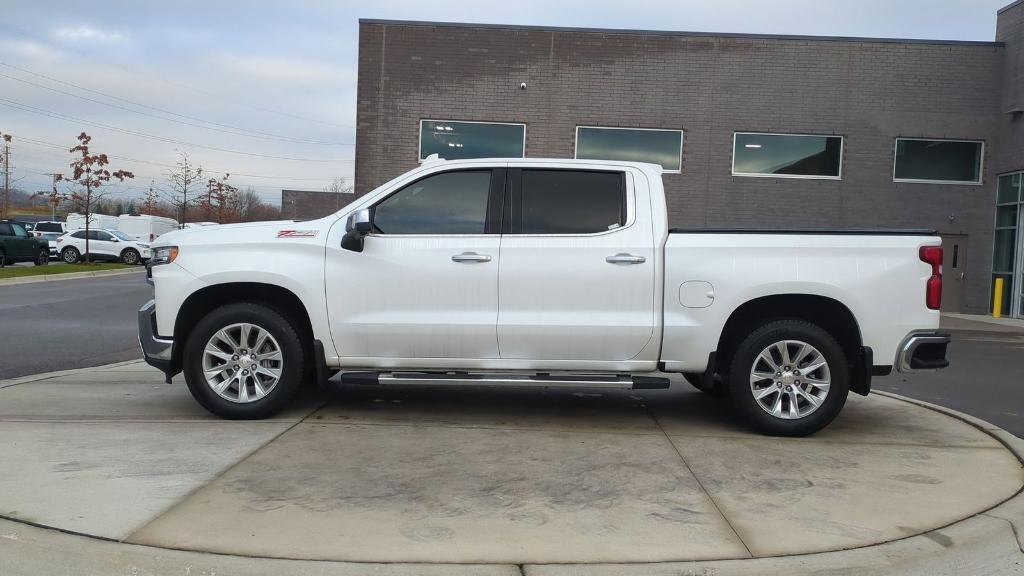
(938, 161)
(787, 155)
(454, 140)
(664, 147)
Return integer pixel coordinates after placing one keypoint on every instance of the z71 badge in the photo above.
(297, 233)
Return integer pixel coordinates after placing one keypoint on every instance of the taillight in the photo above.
(933, 288)
(59, 240)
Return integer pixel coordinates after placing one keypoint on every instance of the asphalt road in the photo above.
(75, 323)
(985, 377)
(50, 326)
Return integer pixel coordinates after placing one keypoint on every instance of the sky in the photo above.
(266, 91)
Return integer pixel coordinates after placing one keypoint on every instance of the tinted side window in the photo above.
(100, 235)
(80, 235)
(48, 227)
(446, 203)
(5, 229)
(572, 201)
(19, 230)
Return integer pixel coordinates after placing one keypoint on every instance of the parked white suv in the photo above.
(544, 273)
(103, 245)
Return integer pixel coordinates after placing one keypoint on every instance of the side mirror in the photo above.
(357, 227)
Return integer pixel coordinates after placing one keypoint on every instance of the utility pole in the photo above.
(7, 175)
(54, 197)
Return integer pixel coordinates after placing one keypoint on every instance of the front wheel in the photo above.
(70, 255)
(243, 361)
(43, 258)
(130, 257)
(788, 378)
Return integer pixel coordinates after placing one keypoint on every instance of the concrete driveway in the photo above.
(497, 479)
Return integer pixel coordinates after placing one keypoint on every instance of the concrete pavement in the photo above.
(403, 481)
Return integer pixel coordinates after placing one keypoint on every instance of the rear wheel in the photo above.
(3, 258)
(130, 256)
(43, 258)
(244, 361)
(70, 255)
(788, 378)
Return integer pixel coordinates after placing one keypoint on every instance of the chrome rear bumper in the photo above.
(923, 351)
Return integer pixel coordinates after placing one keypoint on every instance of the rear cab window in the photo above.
(568, 202)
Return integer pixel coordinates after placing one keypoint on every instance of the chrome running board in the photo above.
(611, 381)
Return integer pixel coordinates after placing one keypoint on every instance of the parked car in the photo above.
(103, 245)
(543, 273)
(48, 226)
(17, 245)
(51, 239)
(76, 221)
(145, 227)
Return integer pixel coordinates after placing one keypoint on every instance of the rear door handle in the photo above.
(623, 258)
(471, 257)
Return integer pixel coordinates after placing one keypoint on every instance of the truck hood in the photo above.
(247, 232)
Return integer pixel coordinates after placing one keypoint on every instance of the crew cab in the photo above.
(545, 273)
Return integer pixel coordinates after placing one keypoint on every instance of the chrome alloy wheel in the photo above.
(790, 379)
(242, 363)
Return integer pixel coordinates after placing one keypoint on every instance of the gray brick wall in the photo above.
(710, 86)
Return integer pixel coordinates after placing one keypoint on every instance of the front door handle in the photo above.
(623, 258)
(471, 257)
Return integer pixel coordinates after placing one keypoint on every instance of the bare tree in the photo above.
(150, 200)
(221, 199)
(248, 202)
(89, 171)
(185, 181)
(340, 185)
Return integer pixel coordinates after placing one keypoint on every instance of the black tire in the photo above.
(279, 327)
(3, 259)
(70, 255)
(743, 361)
(718, 389)
(130, 256)
(43, 258)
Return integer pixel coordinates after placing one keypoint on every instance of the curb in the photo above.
(58, 373)
(990, 541)
(68, 276)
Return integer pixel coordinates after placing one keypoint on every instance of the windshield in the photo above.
(120, 235)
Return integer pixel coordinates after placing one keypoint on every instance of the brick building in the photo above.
(753, 130)
(311, 204)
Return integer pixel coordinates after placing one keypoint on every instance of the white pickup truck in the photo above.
(549, 273)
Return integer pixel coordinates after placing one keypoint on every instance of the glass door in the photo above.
(1008, 243)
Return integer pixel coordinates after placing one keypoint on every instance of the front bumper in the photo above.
(157, 352)
(923, 351)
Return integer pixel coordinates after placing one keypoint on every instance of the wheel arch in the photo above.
(203, 301)
(830, 314)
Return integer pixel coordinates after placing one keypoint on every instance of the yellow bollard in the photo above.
(997, 299)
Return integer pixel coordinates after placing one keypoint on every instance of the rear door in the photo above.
(577, 271)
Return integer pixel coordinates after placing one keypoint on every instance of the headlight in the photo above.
(163, 255)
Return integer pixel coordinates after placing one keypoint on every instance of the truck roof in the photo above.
(581, 162)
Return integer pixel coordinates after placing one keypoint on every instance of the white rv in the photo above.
(77, 222)
(144, 227)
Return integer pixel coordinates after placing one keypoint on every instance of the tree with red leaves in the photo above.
(221, 199)
(89, 171)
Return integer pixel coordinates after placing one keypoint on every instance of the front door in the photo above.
(577, 279)
(426, 283)
(954, 277)
(21, 241)
(102, 244)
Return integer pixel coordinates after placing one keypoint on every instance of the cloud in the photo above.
(85, 32)
(282, 69)
(33, 52)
